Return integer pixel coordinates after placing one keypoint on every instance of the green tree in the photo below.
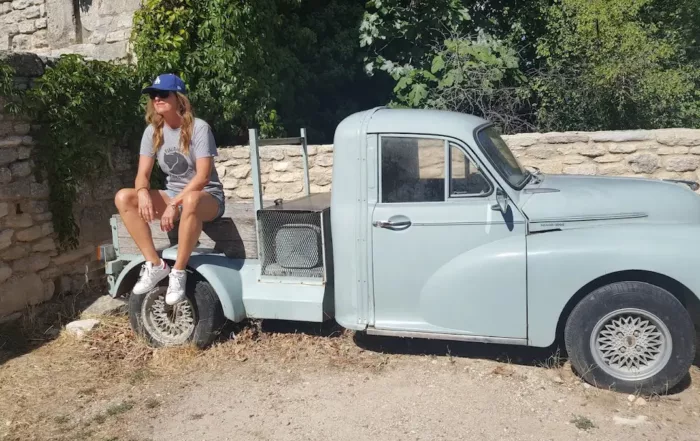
(620, 64)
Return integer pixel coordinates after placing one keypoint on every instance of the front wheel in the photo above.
(196, 320)
(632, 337)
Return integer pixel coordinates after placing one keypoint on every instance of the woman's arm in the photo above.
(143, 182)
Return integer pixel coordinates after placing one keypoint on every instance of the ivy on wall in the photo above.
(81, 111)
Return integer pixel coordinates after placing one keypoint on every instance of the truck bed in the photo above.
(233, 234)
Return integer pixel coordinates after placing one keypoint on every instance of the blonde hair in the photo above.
(184, 109)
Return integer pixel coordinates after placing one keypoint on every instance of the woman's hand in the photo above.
(145, 205)
(167, 220)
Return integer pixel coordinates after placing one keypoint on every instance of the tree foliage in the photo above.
(616, 65)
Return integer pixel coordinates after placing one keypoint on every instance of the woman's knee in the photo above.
(190, 202)
(124, 198)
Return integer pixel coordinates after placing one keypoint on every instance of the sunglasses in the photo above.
(162, 94)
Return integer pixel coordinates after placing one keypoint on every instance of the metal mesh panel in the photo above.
(291, 243)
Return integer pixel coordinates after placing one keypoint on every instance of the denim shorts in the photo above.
(219, 200)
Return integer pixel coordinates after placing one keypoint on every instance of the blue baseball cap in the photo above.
(169, 82)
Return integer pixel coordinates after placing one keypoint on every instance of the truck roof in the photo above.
(425, 121)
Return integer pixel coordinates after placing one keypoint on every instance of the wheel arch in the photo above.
(680, 291)
(220, 272)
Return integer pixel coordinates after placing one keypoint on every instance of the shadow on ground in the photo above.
(39, 325)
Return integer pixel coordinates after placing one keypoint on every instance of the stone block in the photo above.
(45, 244)
(608, 158)
(23, 189)
(43, 217)
(10, 141)
(30, 234)
(627, 147)
(19, 291)
(286, 177)
(582, 169)
(6, 239)
(5, 272)
(17, 251)
(643, 162)
(592, 150)
(27, 140)
(563, 137)
(280, 166)
(682, 163)
(106, 305)
(22, 129)
(615, 169)
(695, 151)
(116, 7)
(60, 22)
(229, 183)
(40, 23)
(521, 140)
(244, 192)
(34, 207)
(96, 38)
(21, 4)
(4, 209)
(5, 8)
(5, 175)
(271, 154)
(673, 150)
(31, 264)
(227, 153)
(21, 169)
(39, 39)
(539, 152)
(621, 136)
(121, 35)
(21, 43)
(241, 172)
(324, 160)
(31, 12)
(23, 220)
(26, 27)
(321, 176)
(685, 137)
(47, 228)
(80, 328)
(73, 255)
(573, 159)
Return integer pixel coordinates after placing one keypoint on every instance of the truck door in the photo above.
(444, 259)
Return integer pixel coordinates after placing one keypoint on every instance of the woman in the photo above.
(184, 147)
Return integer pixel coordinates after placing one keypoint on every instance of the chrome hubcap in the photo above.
(631, 344)
(170, 325)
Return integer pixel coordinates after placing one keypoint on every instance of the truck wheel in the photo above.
(632, 337)
(197, 320)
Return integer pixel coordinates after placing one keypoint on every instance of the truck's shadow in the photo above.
(554, 356)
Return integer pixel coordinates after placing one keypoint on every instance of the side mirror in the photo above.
(501, 201)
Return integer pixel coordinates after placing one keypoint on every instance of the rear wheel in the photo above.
(196, 320)
(631, 337)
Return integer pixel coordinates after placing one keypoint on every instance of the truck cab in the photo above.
(433, 229)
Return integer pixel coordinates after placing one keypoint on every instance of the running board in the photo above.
(442, 336)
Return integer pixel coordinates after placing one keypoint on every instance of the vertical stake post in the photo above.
(255, 168)
(305, 154)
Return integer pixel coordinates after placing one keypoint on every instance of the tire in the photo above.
(628, 318)
(200, 315)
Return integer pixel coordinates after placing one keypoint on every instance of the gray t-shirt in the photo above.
(181, 168)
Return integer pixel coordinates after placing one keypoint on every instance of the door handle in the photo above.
(392, 225)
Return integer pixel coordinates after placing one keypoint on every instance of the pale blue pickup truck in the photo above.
(433, 229)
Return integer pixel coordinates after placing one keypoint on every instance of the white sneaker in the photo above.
(176, 287)
(150, 276)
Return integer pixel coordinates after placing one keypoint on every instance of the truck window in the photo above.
(412, 169)
(465, 177)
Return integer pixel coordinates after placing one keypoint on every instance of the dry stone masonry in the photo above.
(31, 268)
(98, 29)
(658, 154)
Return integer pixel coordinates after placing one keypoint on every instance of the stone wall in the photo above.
(98, 29)
(31, 268)
(659, 154)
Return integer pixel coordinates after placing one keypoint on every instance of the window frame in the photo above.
(447, 144)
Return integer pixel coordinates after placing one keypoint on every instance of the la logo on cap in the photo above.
(157, 81)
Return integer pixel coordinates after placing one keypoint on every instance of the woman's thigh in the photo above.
(205, 206)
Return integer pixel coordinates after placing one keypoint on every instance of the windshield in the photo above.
(501, 157)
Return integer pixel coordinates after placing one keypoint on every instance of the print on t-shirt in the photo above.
(177, 164)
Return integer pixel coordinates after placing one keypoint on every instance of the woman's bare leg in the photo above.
(126, 201)
(197, 207)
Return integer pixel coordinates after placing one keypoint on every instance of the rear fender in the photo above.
(221, 272)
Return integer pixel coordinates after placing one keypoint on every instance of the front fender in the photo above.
(561, 263)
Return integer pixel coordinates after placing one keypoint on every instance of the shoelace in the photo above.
(175, 282)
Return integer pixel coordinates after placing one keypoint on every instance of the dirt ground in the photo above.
(304, 382)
